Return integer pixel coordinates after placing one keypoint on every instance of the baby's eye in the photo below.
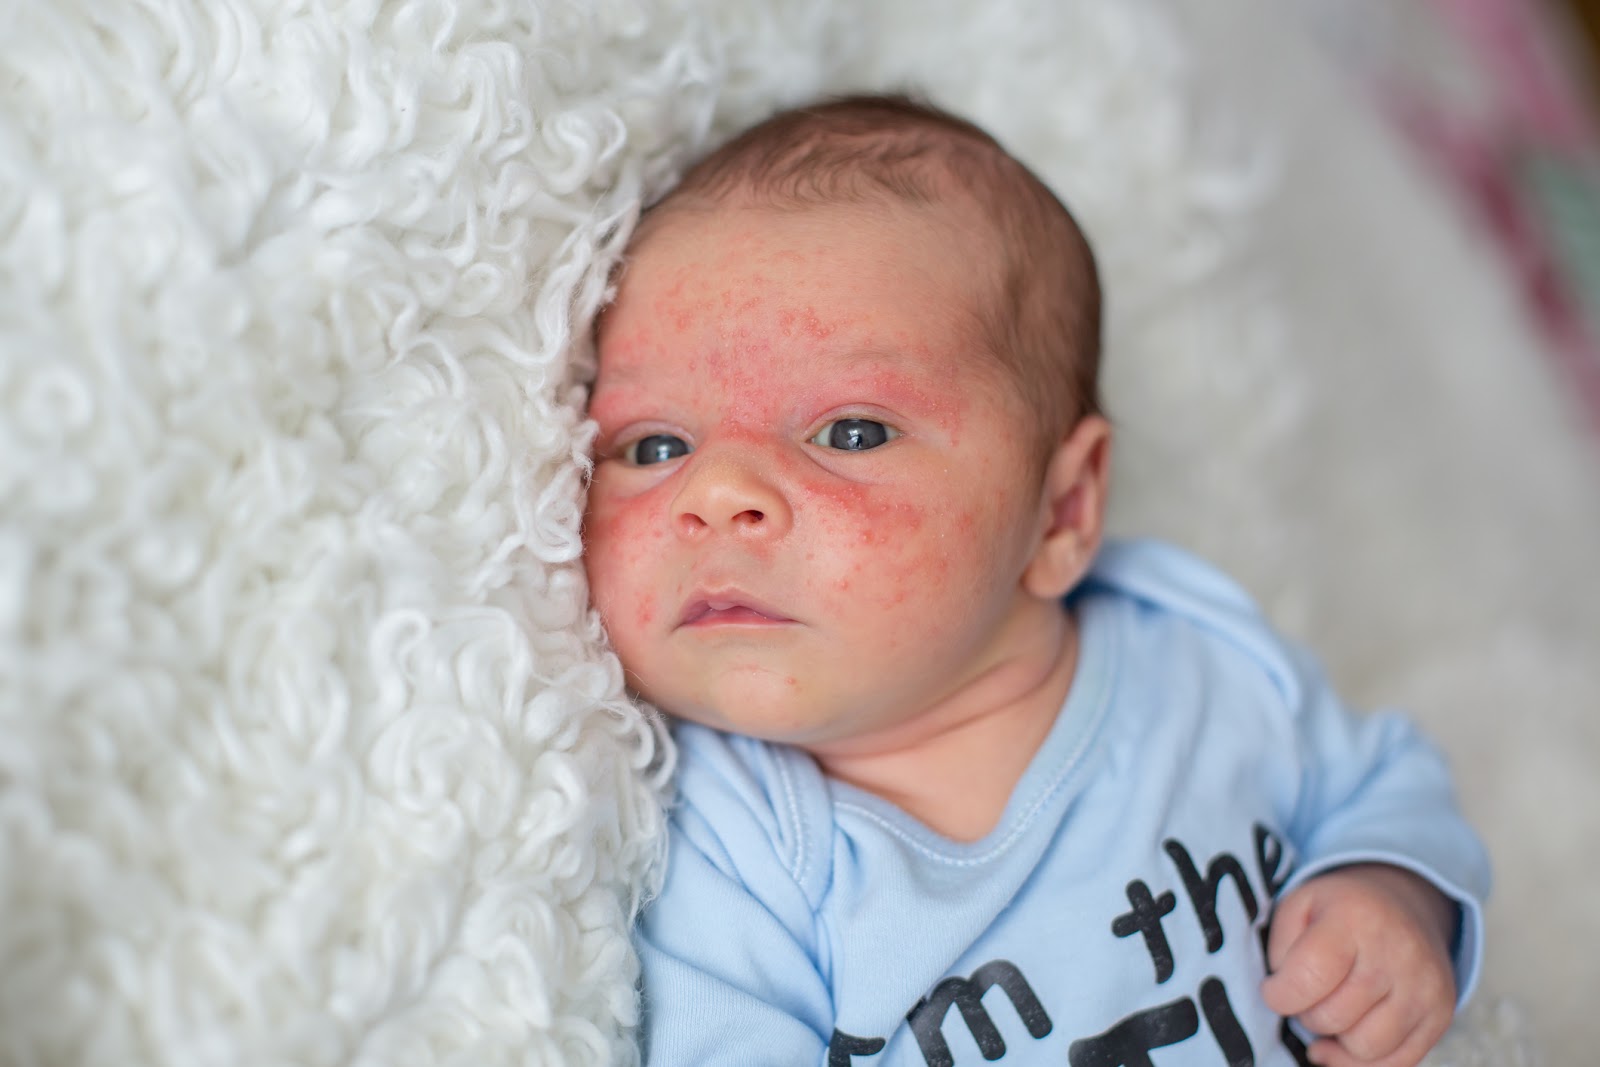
(854, 435)
(657, 448)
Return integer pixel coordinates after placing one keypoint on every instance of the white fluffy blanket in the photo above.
(310, 752)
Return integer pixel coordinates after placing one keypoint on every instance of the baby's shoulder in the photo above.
(757, 809)
(1167, 574)
(1169, 590)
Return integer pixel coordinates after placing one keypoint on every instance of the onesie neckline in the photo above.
(1048, 775)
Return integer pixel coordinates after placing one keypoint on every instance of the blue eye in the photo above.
(657, 448)
(854, 435)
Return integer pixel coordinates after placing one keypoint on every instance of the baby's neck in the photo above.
(958, 779)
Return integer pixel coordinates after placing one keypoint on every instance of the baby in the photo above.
(939, 748)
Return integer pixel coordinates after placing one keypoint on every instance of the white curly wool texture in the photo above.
(310, 752)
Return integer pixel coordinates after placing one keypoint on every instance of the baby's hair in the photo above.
(1042, 319)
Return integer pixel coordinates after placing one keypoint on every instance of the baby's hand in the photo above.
(1361, 955)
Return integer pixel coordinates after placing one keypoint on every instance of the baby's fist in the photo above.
(1361, 955)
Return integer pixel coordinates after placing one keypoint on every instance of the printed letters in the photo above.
(1128, 1042)
(927, 1018)
(1203, 891)
(845, 1046)
(1145, 918)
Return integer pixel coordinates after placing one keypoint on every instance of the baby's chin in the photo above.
(766, 706)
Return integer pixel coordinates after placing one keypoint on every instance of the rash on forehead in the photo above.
(745, 393)
(717, 293)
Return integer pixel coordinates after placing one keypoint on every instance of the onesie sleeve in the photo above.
(1366, 788)
(729, 952)
(1374, 789)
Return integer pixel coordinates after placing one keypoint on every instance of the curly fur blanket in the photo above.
(310, 751)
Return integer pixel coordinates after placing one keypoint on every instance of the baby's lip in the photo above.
(728, 607)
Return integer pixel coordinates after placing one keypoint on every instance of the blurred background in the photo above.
(1497, 105)
(1406, 472)
(1501, 99)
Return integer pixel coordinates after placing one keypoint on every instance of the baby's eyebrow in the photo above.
(901, 373)
(875, 372)
(604, 401)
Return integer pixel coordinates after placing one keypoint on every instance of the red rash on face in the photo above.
(806, 323)
(645, 612)
(745, 332)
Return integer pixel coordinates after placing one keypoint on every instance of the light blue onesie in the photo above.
(1115, 916)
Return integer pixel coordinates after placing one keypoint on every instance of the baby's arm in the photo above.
(1362, 955)
(1378, 940)
(728, 949)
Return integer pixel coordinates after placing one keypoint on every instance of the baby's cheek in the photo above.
(642, 611)
(882, 548)
(620, 542)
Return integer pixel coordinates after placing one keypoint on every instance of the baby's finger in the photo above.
(1326, 1052)
(1289, 920)
(1360, 1006)
(1329, 1052)
(1312, 968)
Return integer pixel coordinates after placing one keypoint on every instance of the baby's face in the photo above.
(812, 502)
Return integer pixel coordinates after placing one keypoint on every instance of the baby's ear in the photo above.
(1076, 480)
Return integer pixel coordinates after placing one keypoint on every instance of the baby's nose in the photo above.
(726, 491)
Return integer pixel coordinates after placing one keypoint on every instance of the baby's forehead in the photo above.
(808, 267)
(729, 230)
(823, 277)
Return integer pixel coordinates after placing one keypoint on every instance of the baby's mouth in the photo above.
(729, 610)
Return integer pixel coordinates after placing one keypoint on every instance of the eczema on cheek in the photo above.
(620, 601)
(621, 536)
(885, 540)
(643, 609)
(618, 542)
